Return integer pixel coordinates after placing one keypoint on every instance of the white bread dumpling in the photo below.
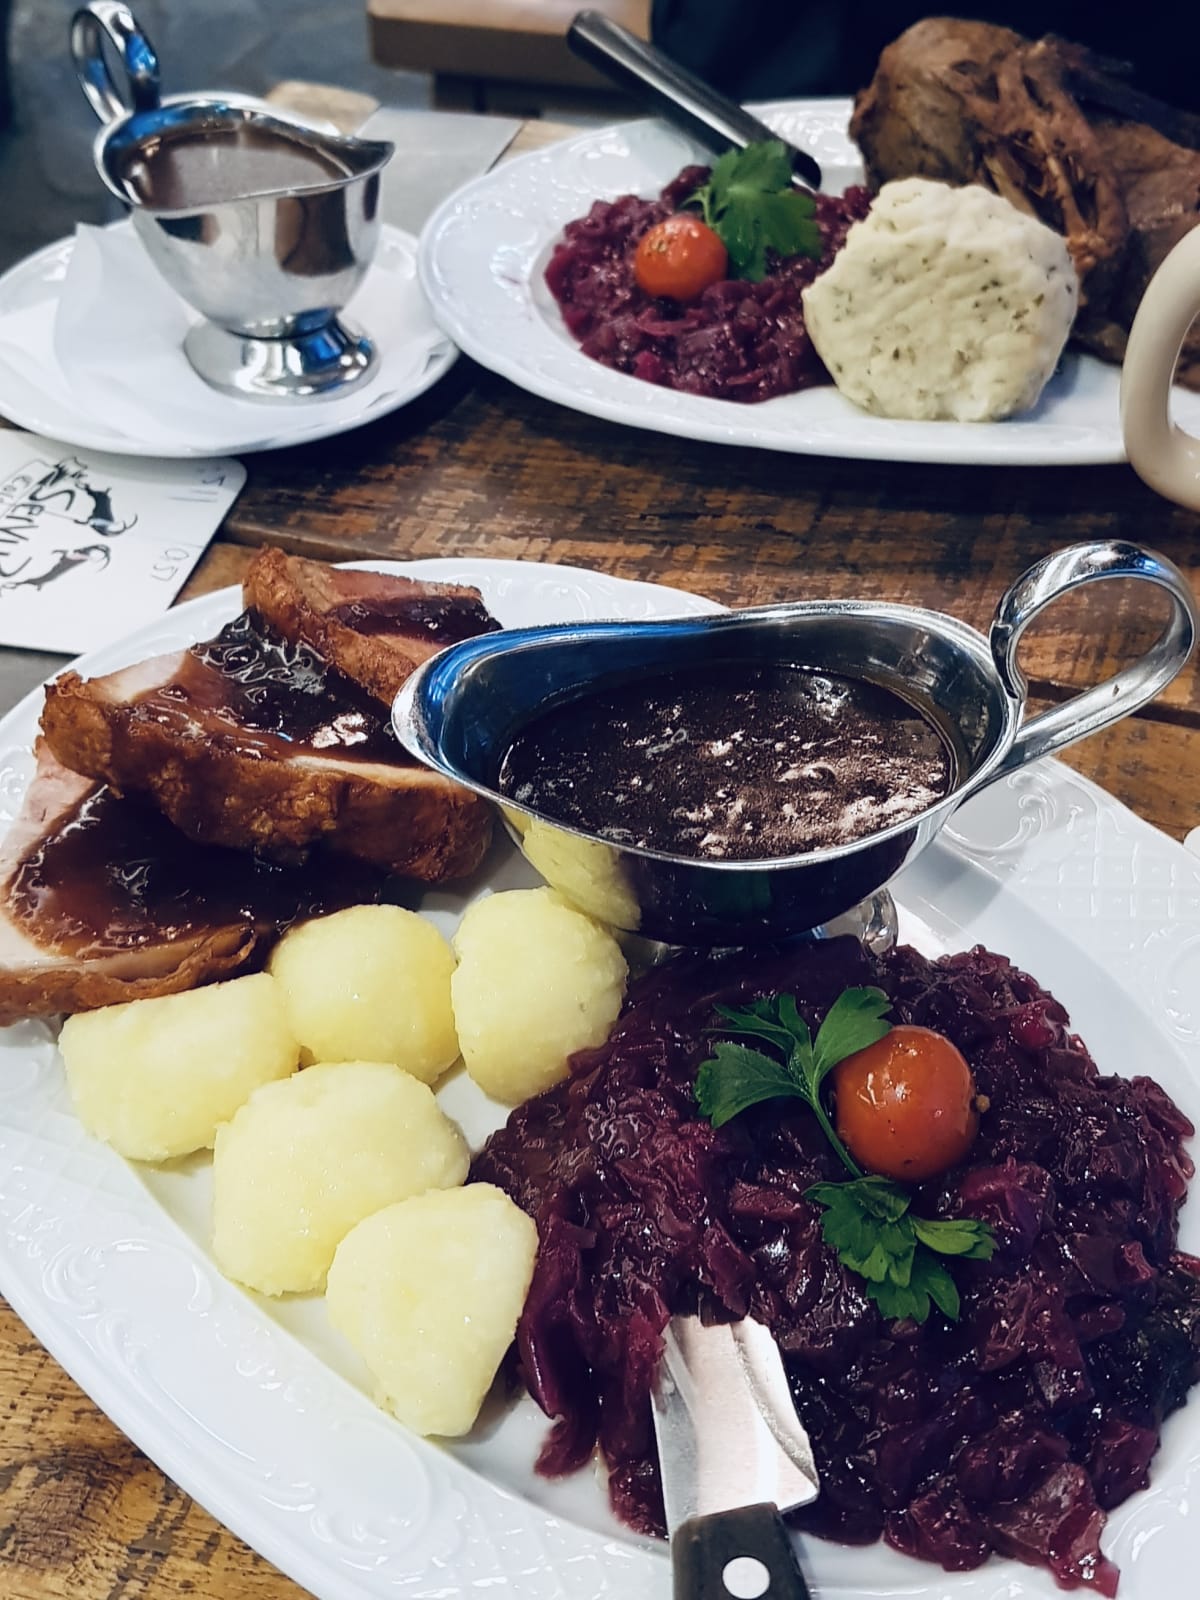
(305, 1160)
(156, 1078)
(429, 1292)
(944, 304)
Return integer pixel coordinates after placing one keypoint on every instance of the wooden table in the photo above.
(478, 468)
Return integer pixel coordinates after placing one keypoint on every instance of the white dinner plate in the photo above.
(484, 251)
(262, 1414)
(36, 394)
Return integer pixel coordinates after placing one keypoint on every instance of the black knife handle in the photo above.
(744, 1554)
(683, 98)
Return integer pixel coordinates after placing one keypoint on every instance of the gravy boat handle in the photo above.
(1132, 687)
(88, 28)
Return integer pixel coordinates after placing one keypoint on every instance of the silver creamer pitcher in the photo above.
(264, 224)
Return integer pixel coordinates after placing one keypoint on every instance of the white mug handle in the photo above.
(1158, 449)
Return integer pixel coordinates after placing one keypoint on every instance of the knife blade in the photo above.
(733, 1456)
(678, 94)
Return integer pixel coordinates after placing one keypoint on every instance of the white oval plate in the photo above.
(260, 1412)
(35, 394)
(484, 250)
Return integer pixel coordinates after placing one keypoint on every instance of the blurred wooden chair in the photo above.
(507, 56)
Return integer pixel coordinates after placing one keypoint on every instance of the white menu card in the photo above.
(92, 545)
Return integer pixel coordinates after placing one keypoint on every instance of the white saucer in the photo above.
(388, 305)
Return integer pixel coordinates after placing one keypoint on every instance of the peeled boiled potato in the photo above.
(370, 984)
(536, 981)
(944, 303)
(585, 870)
(429, 1292)
(304, 1161)
(155, 1078)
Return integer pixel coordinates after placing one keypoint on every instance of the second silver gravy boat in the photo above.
(459, 712)
(267, 230)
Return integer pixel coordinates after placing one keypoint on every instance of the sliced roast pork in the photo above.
(373, 628)
(256, 740)
(102, 900)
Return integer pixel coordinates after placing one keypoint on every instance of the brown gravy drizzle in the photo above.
(737, 762)
(118, 875)
(442, 618)
(274, 695)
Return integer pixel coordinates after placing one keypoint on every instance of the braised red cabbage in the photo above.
(738, 341)
(1013, 1430)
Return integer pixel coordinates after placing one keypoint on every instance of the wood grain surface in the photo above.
(478, 468)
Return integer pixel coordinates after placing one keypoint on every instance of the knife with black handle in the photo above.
(736, 1555)
(719, 123)
(733, 1457)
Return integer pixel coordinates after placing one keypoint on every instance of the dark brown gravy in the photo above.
(116, 875)
(274, 695)
(189, 170)
(443, 618)
(736, 762)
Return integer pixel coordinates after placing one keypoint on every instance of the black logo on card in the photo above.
(54, 519)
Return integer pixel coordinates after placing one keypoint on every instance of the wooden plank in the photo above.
(84, 1515)
(478, 467)
(519, 41)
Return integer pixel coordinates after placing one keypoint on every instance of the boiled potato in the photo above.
(370, 984)
(536, 981)
(429, 1292)
(305, 1160)
(586, 871)
(155, 1078)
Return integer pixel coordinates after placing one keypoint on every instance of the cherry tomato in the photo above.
(679, 258)
(905, 1106)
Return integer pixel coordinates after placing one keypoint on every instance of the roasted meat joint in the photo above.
(1060, 134)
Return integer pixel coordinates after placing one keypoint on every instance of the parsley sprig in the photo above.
(867, 1220)
(875, 1235)
(750, 203)
(737, 1077)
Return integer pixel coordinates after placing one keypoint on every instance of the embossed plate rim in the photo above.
(479, 262)
(283, 1450)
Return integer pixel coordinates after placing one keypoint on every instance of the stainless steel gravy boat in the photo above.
(458, 714)
(263, 223)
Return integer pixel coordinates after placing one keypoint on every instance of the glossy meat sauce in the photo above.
(115, 874)
(278, 696)
(443, 619)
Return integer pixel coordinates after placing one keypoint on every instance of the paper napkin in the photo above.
(92, 545)
(110, 347)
